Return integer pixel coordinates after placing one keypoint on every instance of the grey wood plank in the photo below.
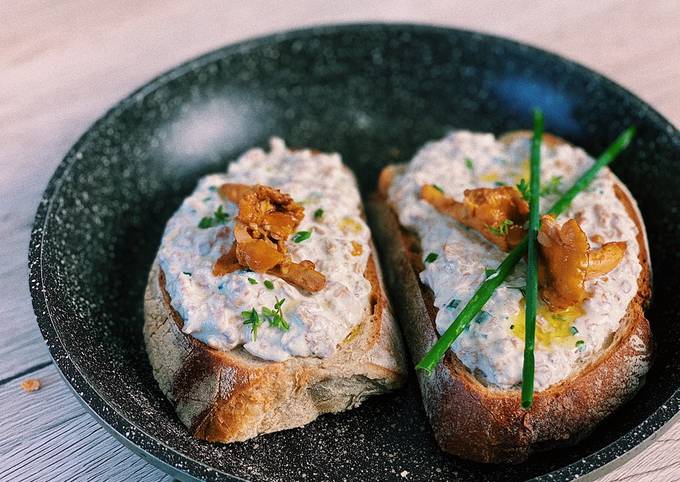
(47, 435)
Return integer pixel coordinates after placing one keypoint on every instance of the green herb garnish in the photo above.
(499, 183)
(531, 295)
(523, 188)
(438, 188)
(218, 217)
(453, 304)
(502, 228)
(268, 284)
(300, 236)
(580, 343)
(488, 272)
(186, 273)
(252, 281)
(432, 257)
(488, 286)
(275, 316)
(469, 164)
(573, 330)
(551, 187)
(318, 214)
(253, 319)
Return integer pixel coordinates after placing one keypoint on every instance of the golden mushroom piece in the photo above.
(566, 262)
(266, 218)
(498, 213)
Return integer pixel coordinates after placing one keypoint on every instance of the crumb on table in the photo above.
(30, 384)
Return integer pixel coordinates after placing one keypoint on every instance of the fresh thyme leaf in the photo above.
(268, 284)
(431, 257)
(252, 281)
(318, 214)
(300, 236)
(552, 186)
(438, 188)
(573, 330)
(275, 316)
(218, 217)
(453, 304)
(502, 228)
(205, 223)
(253, 319)
(523, 187)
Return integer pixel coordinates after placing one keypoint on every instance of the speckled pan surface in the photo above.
(375, 93)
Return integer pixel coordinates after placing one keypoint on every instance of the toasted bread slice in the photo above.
(486, 424)
(227, 396)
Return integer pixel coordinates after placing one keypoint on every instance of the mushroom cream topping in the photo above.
(456, 257)
(217, 306)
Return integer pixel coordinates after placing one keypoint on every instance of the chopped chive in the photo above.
(438, 188)
(186, 273)
(469, 164)
(580, 343)
(482, 316)
(453, 304)
(573, 330)
(206, 199)
(318, 214)
(268, 284)
(252, 281)
(488, 286)
(430, 258)
(212, 188)
(499, 183)
(300, 236)
(531, 297)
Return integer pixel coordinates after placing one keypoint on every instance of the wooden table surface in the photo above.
(62, 64)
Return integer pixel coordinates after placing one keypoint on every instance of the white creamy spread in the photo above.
(212, 307)
(491, 347)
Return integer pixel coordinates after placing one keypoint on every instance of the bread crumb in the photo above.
(404, 473)
(30, 384)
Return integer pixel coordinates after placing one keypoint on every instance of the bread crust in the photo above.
(484, 423)
(227, 396)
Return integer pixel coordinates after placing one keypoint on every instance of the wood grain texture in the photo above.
(62, 64)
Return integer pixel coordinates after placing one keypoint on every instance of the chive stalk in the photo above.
(531, 296)
(489, 285)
